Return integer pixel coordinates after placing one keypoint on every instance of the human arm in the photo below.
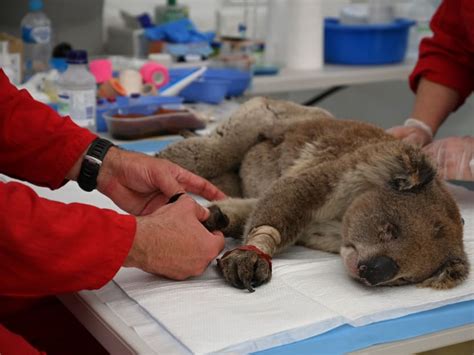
(433, 103)
(48, 247)
(442, 78)
(36, 144)
(139, 184)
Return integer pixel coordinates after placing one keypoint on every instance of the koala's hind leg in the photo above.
(230, 216)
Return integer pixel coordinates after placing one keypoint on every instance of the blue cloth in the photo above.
(179, 31)
(348, 338)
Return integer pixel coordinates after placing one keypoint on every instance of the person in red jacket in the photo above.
(443, 78)
(47, 247)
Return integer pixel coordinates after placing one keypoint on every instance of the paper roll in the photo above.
(155, 73)
(305, 35)
(131, 81)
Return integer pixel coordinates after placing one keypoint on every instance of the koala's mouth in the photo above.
(350, 257)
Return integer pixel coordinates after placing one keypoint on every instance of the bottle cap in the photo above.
(36, 5)
(78, 56)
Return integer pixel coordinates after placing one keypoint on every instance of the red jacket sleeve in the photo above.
(36, 144)
(47, 247)
(447, 58)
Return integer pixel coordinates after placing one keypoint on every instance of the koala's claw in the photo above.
(217, 219)
(245, 269)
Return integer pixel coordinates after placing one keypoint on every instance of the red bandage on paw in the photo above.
(253, 248)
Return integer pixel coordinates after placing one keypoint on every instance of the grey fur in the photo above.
(328, 184)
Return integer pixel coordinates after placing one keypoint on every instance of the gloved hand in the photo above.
(454, 157)
(413, 131)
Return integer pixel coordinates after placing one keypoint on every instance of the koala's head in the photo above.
(405, 233)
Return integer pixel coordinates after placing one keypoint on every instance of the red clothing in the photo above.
(447, 58)
(48, 247)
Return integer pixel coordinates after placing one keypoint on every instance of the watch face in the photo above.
(92, 160)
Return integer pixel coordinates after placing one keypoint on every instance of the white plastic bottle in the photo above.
(36, 34)
(77, 91)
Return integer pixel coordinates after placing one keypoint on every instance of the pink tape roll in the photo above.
(101, 69)
(155, 73)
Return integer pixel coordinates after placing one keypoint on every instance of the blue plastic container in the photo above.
(239, 79)
(210, 91)
(365, 44)
(237, 82)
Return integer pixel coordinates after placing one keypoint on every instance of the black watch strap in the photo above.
(92, 162)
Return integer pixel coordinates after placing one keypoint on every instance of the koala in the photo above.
(297, 175)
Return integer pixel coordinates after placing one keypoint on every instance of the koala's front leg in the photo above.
(279, 217)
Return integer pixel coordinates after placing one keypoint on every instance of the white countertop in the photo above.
(330, 75)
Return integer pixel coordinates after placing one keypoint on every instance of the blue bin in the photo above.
(365, 44)
(239, 79)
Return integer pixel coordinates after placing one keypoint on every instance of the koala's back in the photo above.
(290, 146)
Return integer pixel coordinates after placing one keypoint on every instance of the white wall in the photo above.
(202, 11)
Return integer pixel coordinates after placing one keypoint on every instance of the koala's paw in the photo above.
(245, 269)
(217, 219)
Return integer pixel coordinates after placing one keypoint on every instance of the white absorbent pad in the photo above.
(309, 293)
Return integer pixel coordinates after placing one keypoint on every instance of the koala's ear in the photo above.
(415, 172)
(450, 274)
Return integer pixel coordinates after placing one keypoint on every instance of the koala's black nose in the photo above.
(378, 269)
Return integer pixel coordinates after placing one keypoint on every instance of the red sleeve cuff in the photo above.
(444, 72)
(76, 147)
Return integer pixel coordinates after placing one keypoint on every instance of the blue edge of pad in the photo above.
(347, 338)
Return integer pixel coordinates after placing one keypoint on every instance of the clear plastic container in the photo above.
(143, 121)
(36, 34)
(77, 91)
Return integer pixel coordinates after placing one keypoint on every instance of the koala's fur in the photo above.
(297, 175)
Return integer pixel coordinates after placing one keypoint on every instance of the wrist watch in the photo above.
(92, 162)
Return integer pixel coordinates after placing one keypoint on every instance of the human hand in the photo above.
(139, 184)
(413, 131)
(454, 157)
(172, 241)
